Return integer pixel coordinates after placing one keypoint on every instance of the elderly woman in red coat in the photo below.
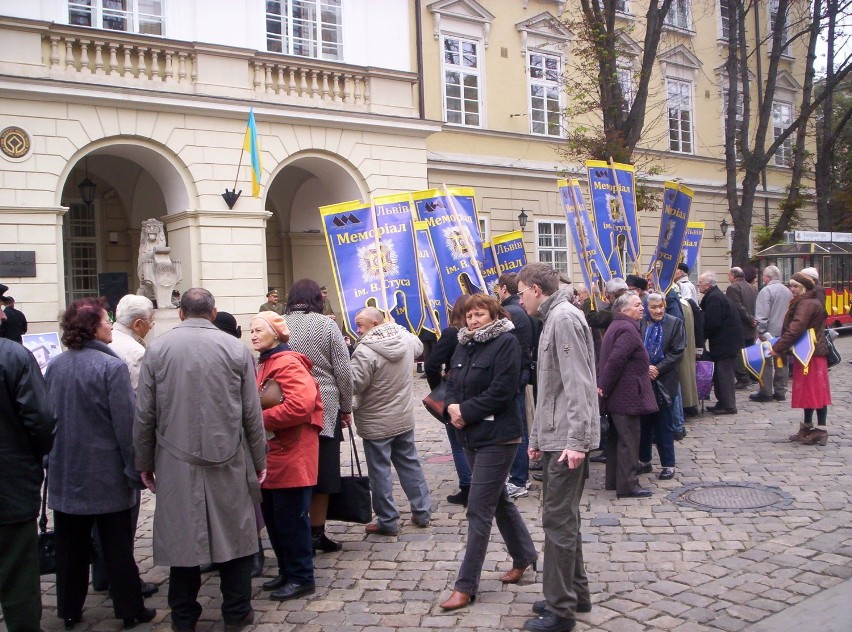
(293, 420)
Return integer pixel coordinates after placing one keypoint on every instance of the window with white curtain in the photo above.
(545, 74)
(462, 79)
(131, 16)
(782, 118)
(306, 28)
(678, 15)
(679, 103)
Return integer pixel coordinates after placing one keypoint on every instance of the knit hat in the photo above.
(683, 267)
(278, 324)
(634, 280)
(804, 280)
(227, 323)
(811, 272)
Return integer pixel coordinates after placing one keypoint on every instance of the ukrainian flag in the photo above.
(250, 145)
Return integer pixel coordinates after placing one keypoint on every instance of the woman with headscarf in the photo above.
(665, 341)
(292, 417)
(481, 387)
(811, 387)
(319, 338)
(92, 478)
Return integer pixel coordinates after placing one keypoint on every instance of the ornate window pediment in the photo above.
(680, 62)
(464, 11)
(785, 82)
(542, 29)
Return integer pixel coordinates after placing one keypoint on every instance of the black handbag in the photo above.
(833, 358)
(352, 502)
(434, 401)
(46, 539)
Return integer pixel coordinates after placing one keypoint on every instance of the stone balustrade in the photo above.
(302, 79)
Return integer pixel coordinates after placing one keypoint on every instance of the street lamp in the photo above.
(723, 228)
(522, 219)
(87, 187)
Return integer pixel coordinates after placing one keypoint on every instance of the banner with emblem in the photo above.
(453, 228)
(504, 253)
(613, 195)
(593, 265)
(432, 291)
(692, 244)
(677, 200)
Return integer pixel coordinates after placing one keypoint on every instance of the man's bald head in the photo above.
(368, 318)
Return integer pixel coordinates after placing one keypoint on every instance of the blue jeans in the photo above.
(676, 422)
(459, 458)
(657, 428)
(520, 471)
(285, 512)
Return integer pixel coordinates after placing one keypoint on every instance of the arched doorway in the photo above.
(132, 182)
(295, 245)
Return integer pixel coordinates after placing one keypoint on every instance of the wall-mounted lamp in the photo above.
(723, 228)
(231, 196)
(522, 219)
(87, 187)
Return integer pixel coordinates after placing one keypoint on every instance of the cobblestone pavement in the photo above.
(653, 565)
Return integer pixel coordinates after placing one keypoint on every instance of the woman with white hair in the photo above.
(134, 319)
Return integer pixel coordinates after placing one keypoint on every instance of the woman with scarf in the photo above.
(811, 387)
(484, 377)
(292, 417)
(665, 340)
(319, 338)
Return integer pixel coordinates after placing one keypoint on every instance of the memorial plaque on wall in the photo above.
(17, 263)
(112, 286)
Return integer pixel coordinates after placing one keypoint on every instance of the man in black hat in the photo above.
(15, 325)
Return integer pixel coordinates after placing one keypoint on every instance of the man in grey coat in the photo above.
(566, 426)
(772, 302)
(199, 440)
(383, 380)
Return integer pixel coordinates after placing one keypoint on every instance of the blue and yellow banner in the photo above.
(803, 349)
(430, 282)
(453, 227)
(371, 258)
(756, 357)
(677, 200)
(593, 265)
(504, 253)
(251, 145)
(613, 194)
(692, 244)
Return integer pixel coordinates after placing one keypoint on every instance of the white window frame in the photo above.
(485, 228)
(723, 6)
(68, 243)
(688, 90)
(315, 43)
(740, 116)
(784, 154)
(626, 75)
(625, 7)
(771, 12)
(550, 251)
(679, 9)
(546, 86)
(463, 71)
(132, 15)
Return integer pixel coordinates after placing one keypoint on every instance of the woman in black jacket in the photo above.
(436, 368)
(484, 377)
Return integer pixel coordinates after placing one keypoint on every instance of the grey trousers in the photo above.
(488, 500)
(400, 452)
(723, 382)
(775, 378)
(565, 583)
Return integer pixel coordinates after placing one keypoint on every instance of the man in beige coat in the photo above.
(382, 379)
(199, 442)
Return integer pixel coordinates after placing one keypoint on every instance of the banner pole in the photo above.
(581, 231)
(381, 260)
(635, 268)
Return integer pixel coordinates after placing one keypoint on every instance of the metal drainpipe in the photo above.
(421, 91)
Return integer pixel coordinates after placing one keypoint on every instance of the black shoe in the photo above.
(540, 607)
(779, 398)
(325, 545)
(293, 591)
(459, 498)
(536, 466)
(175, 628)
(639, 493)
(257, 560)
(690, 411)
(598, 458)
(667, 474)
(549, 622)
(537, 476)
(272, 584)
(208, 568)
(760, 397)
(70, 622)
(149, 589)
(236, 627)
(725, 411)
(678, 436)
(644, 468)
(146, 616)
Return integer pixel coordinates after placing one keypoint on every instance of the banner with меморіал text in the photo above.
(612, 188)
(677, 200)
(593, 265)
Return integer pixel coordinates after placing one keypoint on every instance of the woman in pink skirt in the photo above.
(811, 389)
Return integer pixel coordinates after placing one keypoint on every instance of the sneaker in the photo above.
(516, 491)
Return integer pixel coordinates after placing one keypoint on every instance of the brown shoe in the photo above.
(374, 529)
(817, 436)
(514, 576)
(458, 600)
(804, 432)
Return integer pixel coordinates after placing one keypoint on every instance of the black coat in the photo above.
(722, 327)
(674, 343)
(439, 359)
(623, 370)
(484, 380)
(15, 326)
(523, 327)
(27, 426)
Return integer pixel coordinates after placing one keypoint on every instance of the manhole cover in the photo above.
(731, 497)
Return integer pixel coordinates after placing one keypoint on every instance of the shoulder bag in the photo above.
(352, 502)
(434, 401)
(46, 539)
(833, 354)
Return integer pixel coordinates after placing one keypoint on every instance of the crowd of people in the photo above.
(537, 378)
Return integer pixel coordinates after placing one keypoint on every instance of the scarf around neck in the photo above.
(654, 341)
(484, 334)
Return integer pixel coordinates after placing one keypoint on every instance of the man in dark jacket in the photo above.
(15, 325)
(744, 296)
(507, 292)
(723, 331)
(27, 426)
